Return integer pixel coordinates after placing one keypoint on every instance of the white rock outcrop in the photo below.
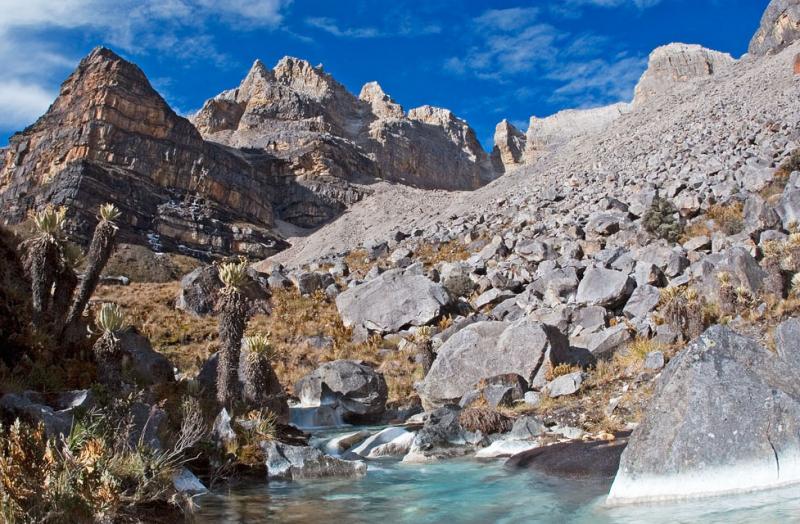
(674, 64)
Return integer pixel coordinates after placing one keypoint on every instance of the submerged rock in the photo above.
(303, 462)
(725, 418)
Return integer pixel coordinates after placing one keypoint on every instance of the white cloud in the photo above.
(398, 25)
(512, 45)
(21, 104)
(329, 25)
(33, 62)
(507, 19)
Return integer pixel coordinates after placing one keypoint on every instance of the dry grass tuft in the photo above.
(485, 420)
(431, 254)
(729, 218)
(296, 326)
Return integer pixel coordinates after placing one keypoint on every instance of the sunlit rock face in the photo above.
(780, 26)
(674, 64)
(109, 137)
(725, 418)
(301, 114)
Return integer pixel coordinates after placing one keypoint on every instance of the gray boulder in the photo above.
(30, 407)
(787, 341)
(789, 208)
(604, 287)
(357, 390)
(644, 299)
(455, 277)
(724, 418)
(486, 349)
(565, 384)
(442, 436)
(288, 462)
(200, 290)
(392, 301)
(147, 366)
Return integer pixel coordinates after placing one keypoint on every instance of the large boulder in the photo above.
(604, 287)
(302, 462)
(780, 26)
(486, 349)
(200, 290)
(724, 418)
(146, 365)
(392, 301)
(574, 460)
(356, 390)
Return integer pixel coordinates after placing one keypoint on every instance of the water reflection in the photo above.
(472, 492)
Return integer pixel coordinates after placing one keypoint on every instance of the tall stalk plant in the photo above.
(44, 258)
(99, 252)
(233, 318)
(108, 349)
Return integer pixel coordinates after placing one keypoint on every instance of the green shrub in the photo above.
(661, 220)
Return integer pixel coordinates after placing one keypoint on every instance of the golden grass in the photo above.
(431, 254)
(729, 218)
(188, 340)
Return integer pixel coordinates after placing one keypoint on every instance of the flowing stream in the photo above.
(470, 491)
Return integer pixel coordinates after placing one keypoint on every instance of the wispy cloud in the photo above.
(396, 25)
(176, 27)
(514, 44)
(329, 25)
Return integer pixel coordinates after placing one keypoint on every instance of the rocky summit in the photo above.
(289, 145)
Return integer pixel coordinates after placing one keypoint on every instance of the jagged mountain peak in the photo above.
(382, 104)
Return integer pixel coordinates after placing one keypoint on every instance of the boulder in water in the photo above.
(303, 462)
(358, 391)
(574, 460)
(724, 418)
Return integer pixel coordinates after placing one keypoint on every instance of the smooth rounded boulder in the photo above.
(358, 391)
(724, 418)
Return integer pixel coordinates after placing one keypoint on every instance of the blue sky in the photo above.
(485, 60)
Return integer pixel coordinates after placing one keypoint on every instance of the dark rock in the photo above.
(574, 460)
(200, 291)
(147, 366)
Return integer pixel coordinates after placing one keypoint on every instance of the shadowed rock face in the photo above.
(109, 137)
(780, 26)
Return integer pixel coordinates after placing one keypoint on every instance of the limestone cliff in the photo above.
(780, 26)
(509, 146)
(327, 135)
(673, 64)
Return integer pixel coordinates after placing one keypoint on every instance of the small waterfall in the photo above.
(325, 416)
